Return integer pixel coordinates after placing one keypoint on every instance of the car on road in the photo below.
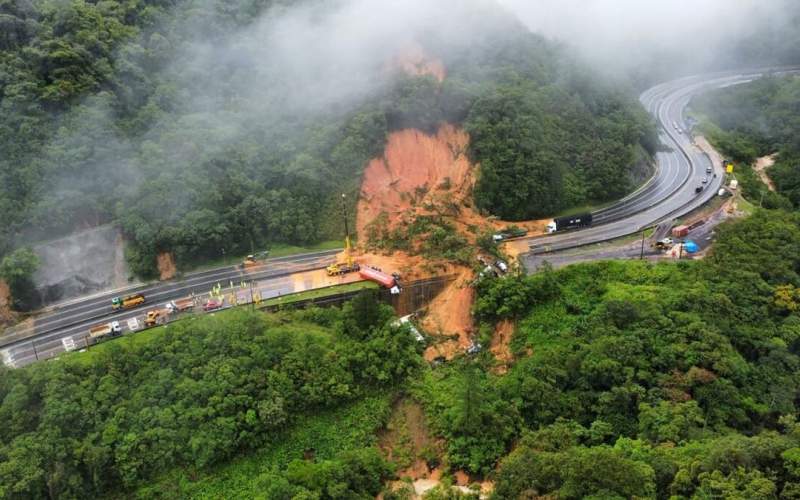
(212, 305)
(705, 180)
(709, 170)
(698, 189)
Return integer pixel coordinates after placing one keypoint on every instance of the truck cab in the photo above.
(552, 227)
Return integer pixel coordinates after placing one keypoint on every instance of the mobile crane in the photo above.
(349, 265)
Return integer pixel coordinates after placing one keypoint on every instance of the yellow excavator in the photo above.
(348, 266)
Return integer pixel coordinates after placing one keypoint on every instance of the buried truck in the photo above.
(100, 331)
(569, 222)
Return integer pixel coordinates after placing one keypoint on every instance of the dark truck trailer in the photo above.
(569, 222)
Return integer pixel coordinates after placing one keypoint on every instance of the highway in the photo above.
(66, 324)
(681, 168)
(670, 193)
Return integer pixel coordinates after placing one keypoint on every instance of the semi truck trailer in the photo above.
(569, 222)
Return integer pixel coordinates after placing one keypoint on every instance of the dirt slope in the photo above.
(7, 316)
(761, 166)
(166, 266)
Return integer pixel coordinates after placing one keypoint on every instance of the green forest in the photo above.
(201, 392)
(757, 119)
(134, 113)
(629, 379)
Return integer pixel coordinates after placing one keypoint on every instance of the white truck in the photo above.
(100, 331)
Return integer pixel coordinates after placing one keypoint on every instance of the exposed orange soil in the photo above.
(501, 341)
(7, 316)
(414, 61)
(449, 317)
(760, 167)
(418, 175)
(166, 266)
(418, 169)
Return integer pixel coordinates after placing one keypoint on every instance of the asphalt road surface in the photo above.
(668, 194)
(67, 324)
(681, 168)
(632, 248)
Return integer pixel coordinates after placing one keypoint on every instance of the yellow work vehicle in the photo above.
(348, 266)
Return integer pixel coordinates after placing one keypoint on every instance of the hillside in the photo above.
(758, 120)
(201, 131)
(623, 379)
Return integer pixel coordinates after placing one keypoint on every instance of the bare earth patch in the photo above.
(7, 316)
(419, 174)
(761, 166)
(500, 347)
(449, 318)
(166, 266)
(414, 61)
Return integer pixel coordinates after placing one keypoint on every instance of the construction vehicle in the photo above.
(127, 302)
(180, 305)
(100, 331)
(348, 266)
(569, 222)
(155, 317)
(254, 259)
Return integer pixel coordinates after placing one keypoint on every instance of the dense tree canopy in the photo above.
(170, 119)
(196, 394)
(633, 379)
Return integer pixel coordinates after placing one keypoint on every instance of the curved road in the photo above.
(668, 194)
(680, 169)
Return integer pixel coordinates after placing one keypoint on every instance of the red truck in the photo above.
(680, 231)
(389, 281)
